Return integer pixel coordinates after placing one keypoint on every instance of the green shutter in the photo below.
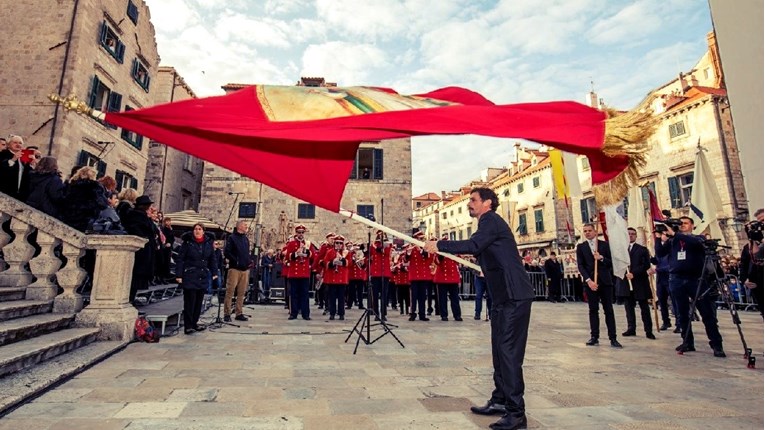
(134, 183)
(94, 87)
(584, 211)
(674, 192)
(377, 165)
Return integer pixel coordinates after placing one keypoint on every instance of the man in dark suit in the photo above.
(635, 287)
(554, 273)
(600, 288)
(512, 294)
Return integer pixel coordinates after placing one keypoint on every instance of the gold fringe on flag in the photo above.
(626, 134)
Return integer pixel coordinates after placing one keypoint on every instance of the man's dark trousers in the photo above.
(299, 297)
(418, 297)
(605, 295)
(380, 295)
(509, 332)
(683, 291)
(662, 294)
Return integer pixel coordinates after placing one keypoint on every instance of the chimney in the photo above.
(714, 53)
(683, 83)
(592, 99)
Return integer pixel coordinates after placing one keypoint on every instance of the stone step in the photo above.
(30, 383)
(23, 308)
(12, 293)
(27, 353)
(28, 327)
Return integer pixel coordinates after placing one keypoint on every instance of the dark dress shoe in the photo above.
(615, 343)
(189, 331)
(342, 317)
(629, 333)
(444, 318)
(424, 319)
(457, 318)
(508, 422)
(592, 342)
(412, 318)
(718, 352)
(200, 327)
(241, 317)
(683, 347)
(490, 408)
(677, 330)
(650, 335)
(664, 326)
(292, 318)
(331, 317)
(477, 317)
(307, 318)
(227, 318)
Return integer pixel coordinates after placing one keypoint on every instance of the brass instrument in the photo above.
(358, 258)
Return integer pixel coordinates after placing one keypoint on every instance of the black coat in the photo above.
(585, 261)
(46, 193)
(237, 251)
(195, 262)
(9, 176)
(494, 246)
(138, 223)
(640, 262)
(84, 201)
(553, 270)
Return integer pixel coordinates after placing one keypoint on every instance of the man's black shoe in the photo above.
(629, 333)
(592, 342)
(684, 348)
(292, 318)
(412, 318)
(189, 331)
(444, 318)
(200, 327)
(718, 352)
(508, 422)
(490, 408)
(384, 318)
(477, 317)
(331, 317)
(241, 317)
(615, 343)
(342, 317)
(457, 318)
(665, 326)
(307, 318)
(650, 335)
(424, 319)
(362, 308)
(227, 318)
(676, 330)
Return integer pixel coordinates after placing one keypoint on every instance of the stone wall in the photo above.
(32, 66)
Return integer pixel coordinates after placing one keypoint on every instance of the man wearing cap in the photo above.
(357, 276)
(138, 223)
(420, 277)
(512, 294)
(299, 272)
(318, 268)
(447, 280)
(237, 252)
(379, 260)
(336, 262)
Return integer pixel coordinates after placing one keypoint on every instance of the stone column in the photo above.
(44, 266)
(17, 255)
(70, 277)
(109, 307)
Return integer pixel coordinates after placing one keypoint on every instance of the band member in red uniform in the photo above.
(318, 268)
(379, 261)
(401, 280)
(420, 277)
(447, 279)
(285, 273)
(357, 277)
(336, 263)
(299, 272)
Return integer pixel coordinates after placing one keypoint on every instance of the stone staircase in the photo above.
(47, 337)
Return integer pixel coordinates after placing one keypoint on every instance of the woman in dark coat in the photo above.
(46, 187)
(195, 262)
(85, 199)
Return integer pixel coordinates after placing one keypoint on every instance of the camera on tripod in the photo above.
(663, 225)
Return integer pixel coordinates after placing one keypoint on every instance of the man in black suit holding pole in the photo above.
(635, 288)
(512, 294)
(599, 281)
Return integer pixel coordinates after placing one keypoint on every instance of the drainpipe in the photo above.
(61, 79)
(726, 158)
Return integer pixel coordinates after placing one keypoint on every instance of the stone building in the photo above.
(105, 53)
(173, 178)
(380, 184)
(693, 110)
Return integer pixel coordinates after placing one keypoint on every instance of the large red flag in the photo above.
(656, 214)
(303, 140)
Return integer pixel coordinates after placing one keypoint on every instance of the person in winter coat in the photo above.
(127, 201)
(85, 199)
(47, 188)
(196, 261)
(14, 173)
(138, 223)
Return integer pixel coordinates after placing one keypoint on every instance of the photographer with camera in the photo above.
(751, 266)
(686, 258)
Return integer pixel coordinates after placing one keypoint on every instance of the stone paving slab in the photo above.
(277, 374)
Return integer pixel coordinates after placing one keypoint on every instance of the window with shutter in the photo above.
(365, 210)
(134, 183)
(140, 74)
(378, 164)
(248, 209)
(306, 211)
(111, 42)
(132, 12)
(135, 140)
(522, 229)
(674, 192)
(539, 222)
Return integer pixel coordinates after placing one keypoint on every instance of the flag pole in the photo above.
(356, 217)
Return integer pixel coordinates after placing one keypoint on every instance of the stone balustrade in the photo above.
(57, 264)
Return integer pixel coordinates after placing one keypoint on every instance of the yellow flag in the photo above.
(559, 177)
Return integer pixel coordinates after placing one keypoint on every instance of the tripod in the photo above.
(364, 325)
(711, 272)
(218, 321)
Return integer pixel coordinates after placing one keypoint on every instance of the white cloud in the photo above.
(260, 32)
(346, 63)
(171, 16)
(286, 7)
(631, 24)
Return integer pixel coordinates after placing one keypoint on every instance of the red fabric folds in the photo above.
(311, 159)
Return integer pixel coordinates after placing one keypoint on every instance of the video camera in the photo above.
(754, 231)
(663, 225)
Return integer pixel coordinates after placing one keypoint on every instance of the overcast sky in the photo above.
(510, 51)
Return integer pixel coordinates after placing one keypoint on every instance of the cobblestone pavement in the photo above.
(276, 374)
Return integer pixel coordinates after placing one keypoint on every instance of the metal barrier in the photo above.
(740, 295)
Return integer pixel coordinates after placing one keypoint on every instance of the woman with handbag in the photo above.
(195, 263)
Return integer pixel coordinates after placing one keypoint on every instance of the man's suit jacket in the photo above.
(640, 262)
(586, 263)
(494, 246)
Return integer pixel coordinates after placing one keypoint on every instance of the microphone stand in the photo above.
(364, 325)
